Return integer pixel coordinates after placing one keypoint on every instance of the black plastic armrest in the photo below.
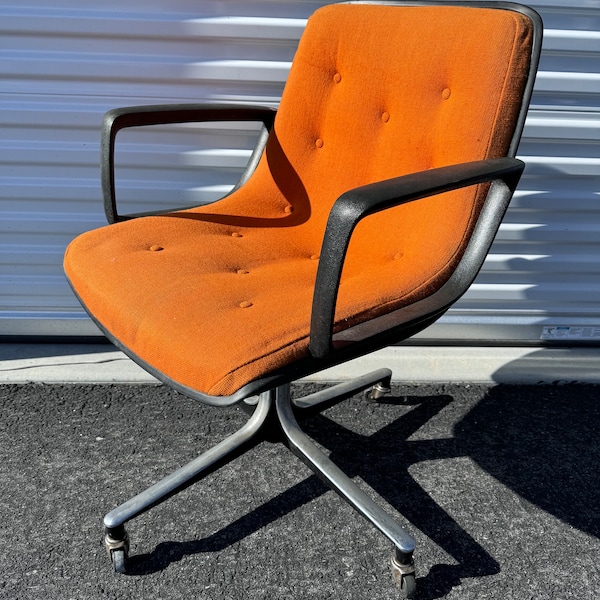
(162, 114)
(354, 205)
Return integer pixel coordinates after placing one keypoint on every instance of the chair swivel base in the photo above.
(275, 415)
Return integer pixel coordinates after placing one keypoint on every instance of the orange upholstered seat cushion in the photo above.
(218, 295)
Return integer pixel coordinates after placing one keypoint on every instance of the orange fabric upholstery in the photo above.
(215, 296)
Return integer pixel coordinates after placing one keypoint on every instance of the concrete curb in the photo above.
(102, 363)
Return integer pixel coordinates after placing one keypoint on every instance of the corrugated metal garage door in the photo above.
(61, 67)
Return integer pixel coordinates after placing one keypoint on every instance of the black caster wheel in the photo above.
(376, 392)
(249, 405)
(404, 578)
(408, 586)
(119, 560)
(116, 542)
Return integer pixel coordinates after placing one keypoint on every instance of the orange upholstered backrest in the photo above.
(376, 92)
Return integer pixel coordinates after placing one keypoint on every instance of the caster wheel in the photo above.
(408, 586)
(116, 542)
(119, 560)
(367, 395)
(376, 392)
(249, 405)
(404, 578)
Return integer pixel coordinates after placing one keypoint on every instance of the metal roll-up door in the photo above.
(541, 281)
(63, 66)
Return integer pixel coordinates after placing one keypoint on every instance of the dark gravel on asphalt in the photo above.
(499, 485)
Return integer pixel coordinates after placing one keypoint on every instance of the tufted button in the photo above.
(337, 78)
(315, 257)
(288, 209)
(156, 248)
(385, 117)
(245, 304)
(398, 255)
(446, 93)
(242, 272)
(236, 234)
(319, 143)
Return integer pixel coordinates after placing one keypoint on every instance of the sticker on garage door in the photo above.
(569, 332)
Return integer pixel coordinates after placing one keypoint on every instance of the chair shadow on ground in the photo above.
(539, 441)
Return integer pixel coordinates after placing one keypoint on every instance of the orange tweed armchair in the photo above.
(365, 212)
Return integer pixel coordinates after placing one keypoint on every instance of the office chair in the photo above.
(365, 212)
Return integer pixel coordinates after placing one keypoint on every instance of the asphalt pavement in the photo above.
(497, 483)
